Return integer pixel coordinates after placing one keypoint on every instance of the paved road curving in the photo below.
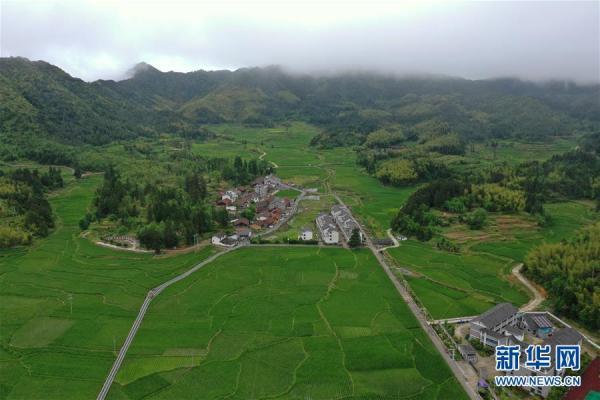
(538, 297)
(394, 240)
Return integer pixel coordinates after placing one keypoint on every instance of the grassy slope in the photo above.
(47, 351)
(284, 323)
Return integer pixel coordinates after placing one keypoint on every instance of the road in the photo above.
(414, 308)
(157, 290)
(264, 153)
(138, 321)
(538, 297)
(417, 312)
(394, 240)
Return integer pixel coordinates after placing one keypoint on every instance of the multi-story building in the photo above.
(327, 229)
(491, 327)
(345, 221)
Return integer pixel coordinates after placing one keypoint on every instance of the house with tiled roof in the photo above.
(490, 328)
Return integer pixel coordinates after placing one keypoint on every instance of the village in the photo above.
(257, 210)
(254, 209)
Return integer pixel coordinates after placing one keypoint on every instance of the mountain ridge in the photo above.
(38, 97)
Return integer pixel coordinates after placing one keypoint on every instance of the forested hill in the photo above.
(39, 100)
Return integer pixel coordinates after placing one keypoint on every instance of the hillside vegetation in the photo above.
(569, 271)
(43, 107)
(24, 209)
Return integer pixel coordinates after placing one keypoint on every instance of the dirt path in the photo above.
(132, 249)
(538, 297)
(263, 156)
(391, 236)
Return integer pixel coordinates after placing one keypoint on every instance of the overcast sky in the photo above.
(93, 40)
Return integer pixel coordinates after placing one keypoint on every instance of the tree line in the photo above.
(24, 209)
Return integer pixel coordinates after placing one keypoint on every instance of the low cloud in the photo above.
(103, 40)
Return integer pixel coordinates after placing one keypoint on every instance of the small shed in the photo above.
(468, 352)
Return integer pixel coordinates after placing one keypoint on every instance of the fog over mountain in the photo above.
(103, 40)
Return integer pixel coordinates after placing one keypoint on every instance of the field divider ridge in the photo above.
(138, 321)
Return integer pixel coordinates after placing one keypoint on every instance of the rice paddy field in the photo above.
(268, 322)
(66, 303)
(453, 285)
(292, 323)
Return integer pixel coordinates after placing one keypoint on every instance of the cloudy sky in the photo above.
(92, 40)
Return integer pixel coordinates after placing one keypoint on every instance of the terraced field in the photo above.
(452, 285)
(284, 323)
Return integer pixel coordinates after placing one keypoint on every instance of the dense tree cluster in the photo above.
(500, 188)
(355, 239)
(416, 218)
(404, 171)
(243, 172)
(24, 210)
(171, 214)
(569, 271)
(164, 216)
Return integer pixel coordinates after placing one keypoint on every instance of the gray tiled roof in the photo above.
(496, 315)
(513, 330)
(564, 336)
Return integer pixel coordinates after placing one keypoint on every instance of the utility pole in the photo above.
(71, 302)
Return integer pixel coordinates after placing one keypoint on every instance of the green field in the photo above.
(452, 285)
(371, 201)
(284, 323)
(47, 350)
(288, 193)
(567, 217)
(325, 169)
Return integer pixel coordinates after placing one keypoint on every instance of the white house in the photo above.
(327, 229)
(345, 221)
(261, 190)
(565, 336)
(492, 327)
(218, 238)
(230, 194)
(305, 234)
